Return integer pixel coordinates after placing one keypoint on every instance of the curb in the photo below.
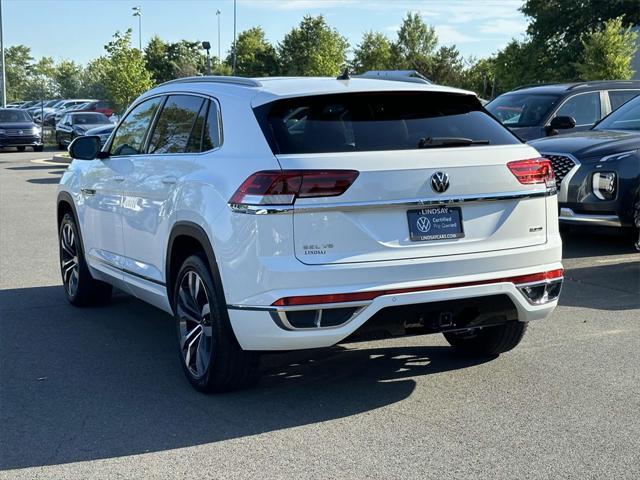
(61, 158)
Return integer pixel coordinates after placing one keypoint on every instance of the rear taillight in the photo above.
(282, 187)
(533, 170)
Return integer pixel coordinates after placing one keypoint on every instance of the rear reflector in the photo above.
(533, 170)
(282, 187)
(368, 296)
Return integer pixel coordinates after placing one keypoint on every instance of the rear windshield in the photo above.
(376, 121)
(522, 109)
(89, 118)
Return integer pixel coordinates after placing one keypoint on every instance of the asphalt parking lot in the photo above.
(99, 393)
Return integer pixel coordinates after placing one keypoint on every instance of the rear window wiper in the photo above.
(437, 142)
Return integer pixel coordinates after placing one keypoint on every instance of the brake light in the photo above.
(533, 170)
(282, 187)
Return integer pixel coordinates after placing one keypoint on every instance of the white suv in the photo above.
(295, 213)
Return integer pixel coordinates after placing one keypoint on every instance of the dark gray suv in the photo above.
(544, 110)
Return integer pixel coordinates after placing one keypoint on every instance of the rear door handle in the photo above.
(88, 191)
(118, 179)
(169, 180)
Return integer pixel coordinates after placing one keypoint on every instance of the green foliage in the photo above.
(126, 76)
(18, 61)
(447, 66)
(373, 53)
(156, 56)
(94, 79)
(608, 52)
(312, 49)
(255, 56)
(416, 44)
(167, 61)
(557, 27)
(68, 76)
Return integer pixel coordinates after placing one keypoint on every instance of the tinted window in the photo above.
(89, 118)
(584, 108)
(175, 127)
(620, 97)
(522, 109)
(626, 117)
(376, 121)
(211, 138)
(129, 138)
(7, 116)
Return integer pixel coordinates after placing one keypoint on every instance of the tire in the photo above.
(38, 149)
(81, 289)
(59, 142)
(489, 340)
(209, 353)
(21, 149)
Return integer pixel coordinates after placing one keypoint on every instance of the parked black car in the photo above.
(76, 124)
(104, 132)
(18, 130)
(598, 171)
(544, 110)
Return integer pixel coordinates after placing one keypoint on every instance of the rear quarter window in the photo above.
(376, 121)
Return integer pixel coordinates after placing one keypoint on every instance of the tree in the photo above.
(447, 66)
(608, 52)
(416, 44)
(17, 61)
(126, 76)
(373, 53)
(557, 28)
(313, 49)
(186, 59)
(255, 56)
(478, 76)
(68, 77)
(40, 83)
(156, 60)
(94, 79)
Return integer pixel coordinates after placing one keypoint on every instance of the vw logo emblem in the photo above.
(439, 182)
(20, 132)
(423, 224)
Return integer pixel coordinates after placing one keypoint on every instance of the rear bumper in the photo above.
(568, 216)
(256, 328)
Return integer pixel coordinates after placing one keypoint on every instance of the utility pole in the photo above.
(4, 67)
(234, 37)
(218, 12)
(137, 12)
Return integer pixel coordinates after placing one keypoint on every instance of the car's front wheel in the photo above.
(211, 357)
(39, 148)
(488, 340)
(21, 149)
(80, 287)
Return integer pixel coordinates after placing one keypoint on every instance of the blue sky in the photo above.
(78, 29)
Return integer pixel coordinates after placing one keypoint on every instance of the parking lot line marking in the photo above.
(47, 161)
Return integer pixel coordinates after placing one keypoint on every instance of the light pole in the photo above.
(218, 12)
(234, 37)
(4, 74)
(137, 12)
(207, 47)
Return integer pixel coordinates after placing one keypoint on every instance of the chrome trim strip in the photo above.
(413, 202)
(569, 216)
(563, 193)
(293, 308)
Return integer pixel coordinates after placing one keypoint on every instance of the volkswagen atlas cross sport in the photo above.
(298, 213)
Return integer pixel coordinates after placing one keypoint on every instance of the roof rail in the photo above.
(601, 82)
(412, 76)
(531, 85)
(243, 81)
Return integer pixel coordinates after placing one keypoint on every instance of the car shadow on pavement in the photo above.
(591, 242)
(610, 286)
(83, 384)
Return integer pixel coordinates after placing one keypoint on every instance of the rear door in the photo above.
(455, 195)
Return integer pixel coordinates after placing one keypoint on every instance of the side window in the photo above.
(177, 124)
(584, 108)
(212, 136)
(129, 137)
(619, 97)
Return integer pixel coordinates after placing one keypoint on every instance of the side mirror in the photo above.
(85, 148)
(562, 123)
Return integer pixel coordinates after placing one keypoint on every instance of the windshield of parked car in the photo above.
(7, 116)
(522, 109)
(89, 119)
(627, 117)
(378, 121)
